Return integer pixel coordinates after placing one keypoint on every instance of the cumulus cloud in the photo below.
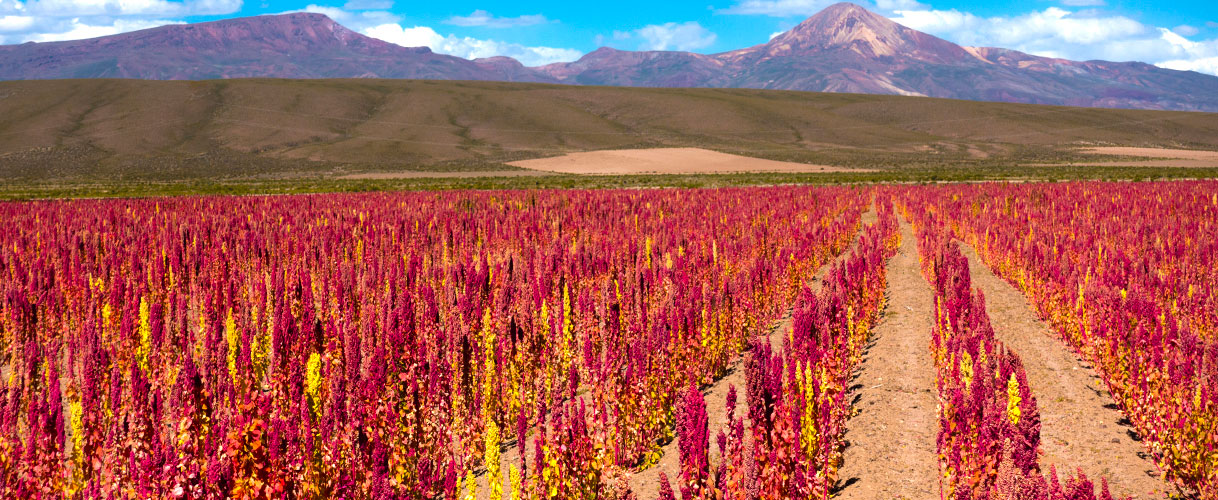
(353, 20)
(1057, 32)
(482, 18)
(15, 23)
(418, 36)
(368, 5)
(781, 8)
(1186, 30)
(467, 47)
(1049, 29)
(77, 30)
(120, 8)
(674, 36)
(55, 20)
(1203, 65)
(891, 5)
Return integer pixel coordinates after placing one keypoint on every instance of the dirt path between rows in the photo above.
(1079, 426)
(892, 440)
(646, 484)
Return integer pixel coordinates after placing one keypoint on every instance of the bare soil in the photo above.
(415, 174)
(1080, 427)
(1181, 154)
(665, 161)
(891, 452)
(646, 483)
(1181, 158)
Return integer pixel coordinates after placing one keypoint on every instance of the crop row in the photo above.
(989, 424)
(381, 345)
(1126, 274)
(789, 445)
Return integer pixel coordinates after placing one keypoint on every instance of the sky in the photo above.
(1174, 34)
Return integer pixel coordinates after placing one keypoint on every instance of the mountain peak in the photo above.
(846, 25)
(850, 27)
(845, 9)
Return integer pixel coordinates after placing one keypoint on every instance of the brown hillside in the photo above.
(116, 129)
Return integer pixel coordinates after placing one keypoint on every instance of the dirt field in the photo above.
(1179, 154)
(1079, 428)
(441, 175)
(1183, 158)
(892, 439)
(665, 161)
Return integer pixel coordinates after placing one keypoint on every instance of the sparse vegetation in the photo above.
(320, 184)
(113, 138)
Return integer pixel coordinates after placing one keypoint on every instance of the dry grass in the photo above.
(123, 130)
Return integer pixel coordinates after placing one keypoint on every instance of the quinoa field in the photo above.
(1050, 341)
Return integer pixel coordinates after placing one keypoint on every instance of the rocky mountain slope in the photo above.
(297, 45)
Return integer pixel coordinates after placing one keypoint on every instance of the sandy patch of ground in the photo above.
(665, 161)
(415, 174)
(1179, 154)
(892, 438)
(1079, 427)
(1182, 158)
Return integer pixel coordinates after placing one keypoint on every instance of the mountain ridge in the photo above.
(296, 45)
(843, 48)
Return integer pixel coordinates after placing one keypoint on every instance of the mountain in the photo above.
(300, 45)
(844, 48)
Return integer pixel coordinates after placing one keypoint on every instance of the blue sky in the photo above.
(1180, 35)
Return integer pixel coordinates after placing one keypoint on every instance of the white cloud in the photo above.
(891, 5)
(418, 36)
(484, 19)
(368, 5)
(11, 6)
(79, 30)
(1202, 65)
(779, 8)
(122, 8)
(775, 34)
(15, 23)
(467, 47)
(1057, 32)
(1049, 29)
(673, 36)
(353, 20)
(56, 20)
(1186, 30)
